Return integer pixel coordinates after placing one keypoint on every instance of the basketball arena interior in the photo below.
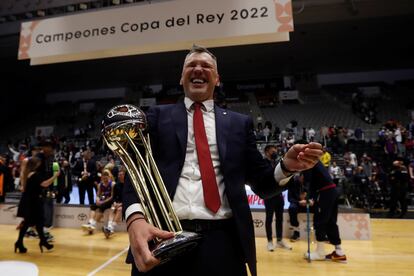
(339, 73)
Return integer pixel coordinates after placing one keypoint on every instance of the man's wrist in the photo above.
(133, 218)
(284, 169)
(135, 215)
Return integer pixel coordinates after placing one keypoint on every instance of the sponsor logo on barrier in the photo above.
(63, 216)
(255, 200)
(82, 217)
(258, 223)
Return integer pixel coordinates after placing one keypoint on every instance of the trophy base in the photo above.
(177, 245)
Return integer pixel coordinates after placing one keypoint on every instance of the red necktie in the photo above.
(208, 176)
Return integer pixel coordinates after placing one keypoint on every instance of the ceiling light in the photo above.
(83, 6)
(41, 13)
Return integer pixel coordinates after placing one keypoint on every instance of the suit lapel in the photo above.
(222, 129)
(179, 117)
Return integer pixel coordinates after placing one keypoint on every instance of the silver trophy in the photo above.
(123, 130)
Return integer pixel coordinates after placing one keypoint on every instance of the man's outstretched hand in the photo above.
(301, 157)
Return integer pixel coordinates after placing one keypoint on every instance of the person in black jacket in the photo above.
(178, 137)
(274, 206)
(64, 183)
(31, 204)
(399, 180)
(85, 170)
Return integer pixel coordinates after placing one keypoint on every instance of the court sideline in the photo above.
(390, 252)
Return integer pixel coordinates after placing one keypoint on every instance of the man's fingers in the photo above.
(162, 234)
(313, 152)
(146, 262)
(143, 257)
(314, 145)
(307, 162)
(308, 157)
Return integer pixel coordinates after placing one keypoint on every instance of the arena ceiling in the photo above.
(329, 36)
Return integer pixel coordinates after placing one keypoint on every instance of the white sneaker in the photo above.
(108, 231)
(314, 256)
(88, 227)
(270, 246)
(282, 244)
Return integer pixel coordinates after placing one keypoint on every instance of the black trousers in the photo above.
(85, 186)
(48, 211)
(274, 205)
(219, 253)
(325, 217)
(64, 193)
(398, 195)
(294, 209)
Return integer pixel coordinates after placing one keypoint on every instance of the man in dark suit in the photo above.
(85, 170)
(220, 212)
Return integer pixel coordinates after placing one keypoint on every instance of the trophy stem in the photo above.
(160, 183)
(138, 183)
(157, 194)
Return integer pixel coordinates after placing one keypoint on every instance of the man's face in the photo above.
(270, 152)
(48, 151)
(199, 77)
(121, 176)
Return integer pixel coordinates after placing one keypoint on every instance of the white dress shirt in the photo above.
(188, 200)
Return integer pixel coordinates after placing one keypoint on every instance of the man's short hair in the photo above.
(268, 147)
(200, 49)
(47, 143)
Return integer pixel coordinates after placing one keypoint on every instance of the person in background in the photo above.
(31, 204)
(47, 155)
(326, 158)
(104, 199)
(64, 183)
(297, 195)
(274, 206)
(85, 169)
(325, 193)
(335, 172)
(399, 179)
(115, 215)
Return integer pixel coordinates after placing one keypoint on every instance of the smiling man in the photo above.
(206, 155)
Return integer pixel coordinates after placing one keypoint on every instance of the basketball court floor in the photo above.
(390, 252)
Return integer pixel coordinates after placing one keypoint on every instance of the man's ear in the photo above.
(181, 81)
(218, 80)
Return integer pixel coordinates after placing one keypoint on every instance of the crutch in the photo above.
(308, 227)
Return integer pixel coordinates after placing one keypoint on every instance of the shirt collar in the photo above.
(208, 104)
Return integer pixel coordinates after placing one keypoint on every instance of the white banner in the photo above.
(352, 226)
(157, 27)
(256, 203)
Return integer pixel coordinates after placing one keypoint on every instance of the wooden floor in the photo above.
(390, 252)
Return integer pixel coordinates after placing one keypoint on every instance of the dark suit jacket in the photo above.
(90, 167)
(241, 163)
